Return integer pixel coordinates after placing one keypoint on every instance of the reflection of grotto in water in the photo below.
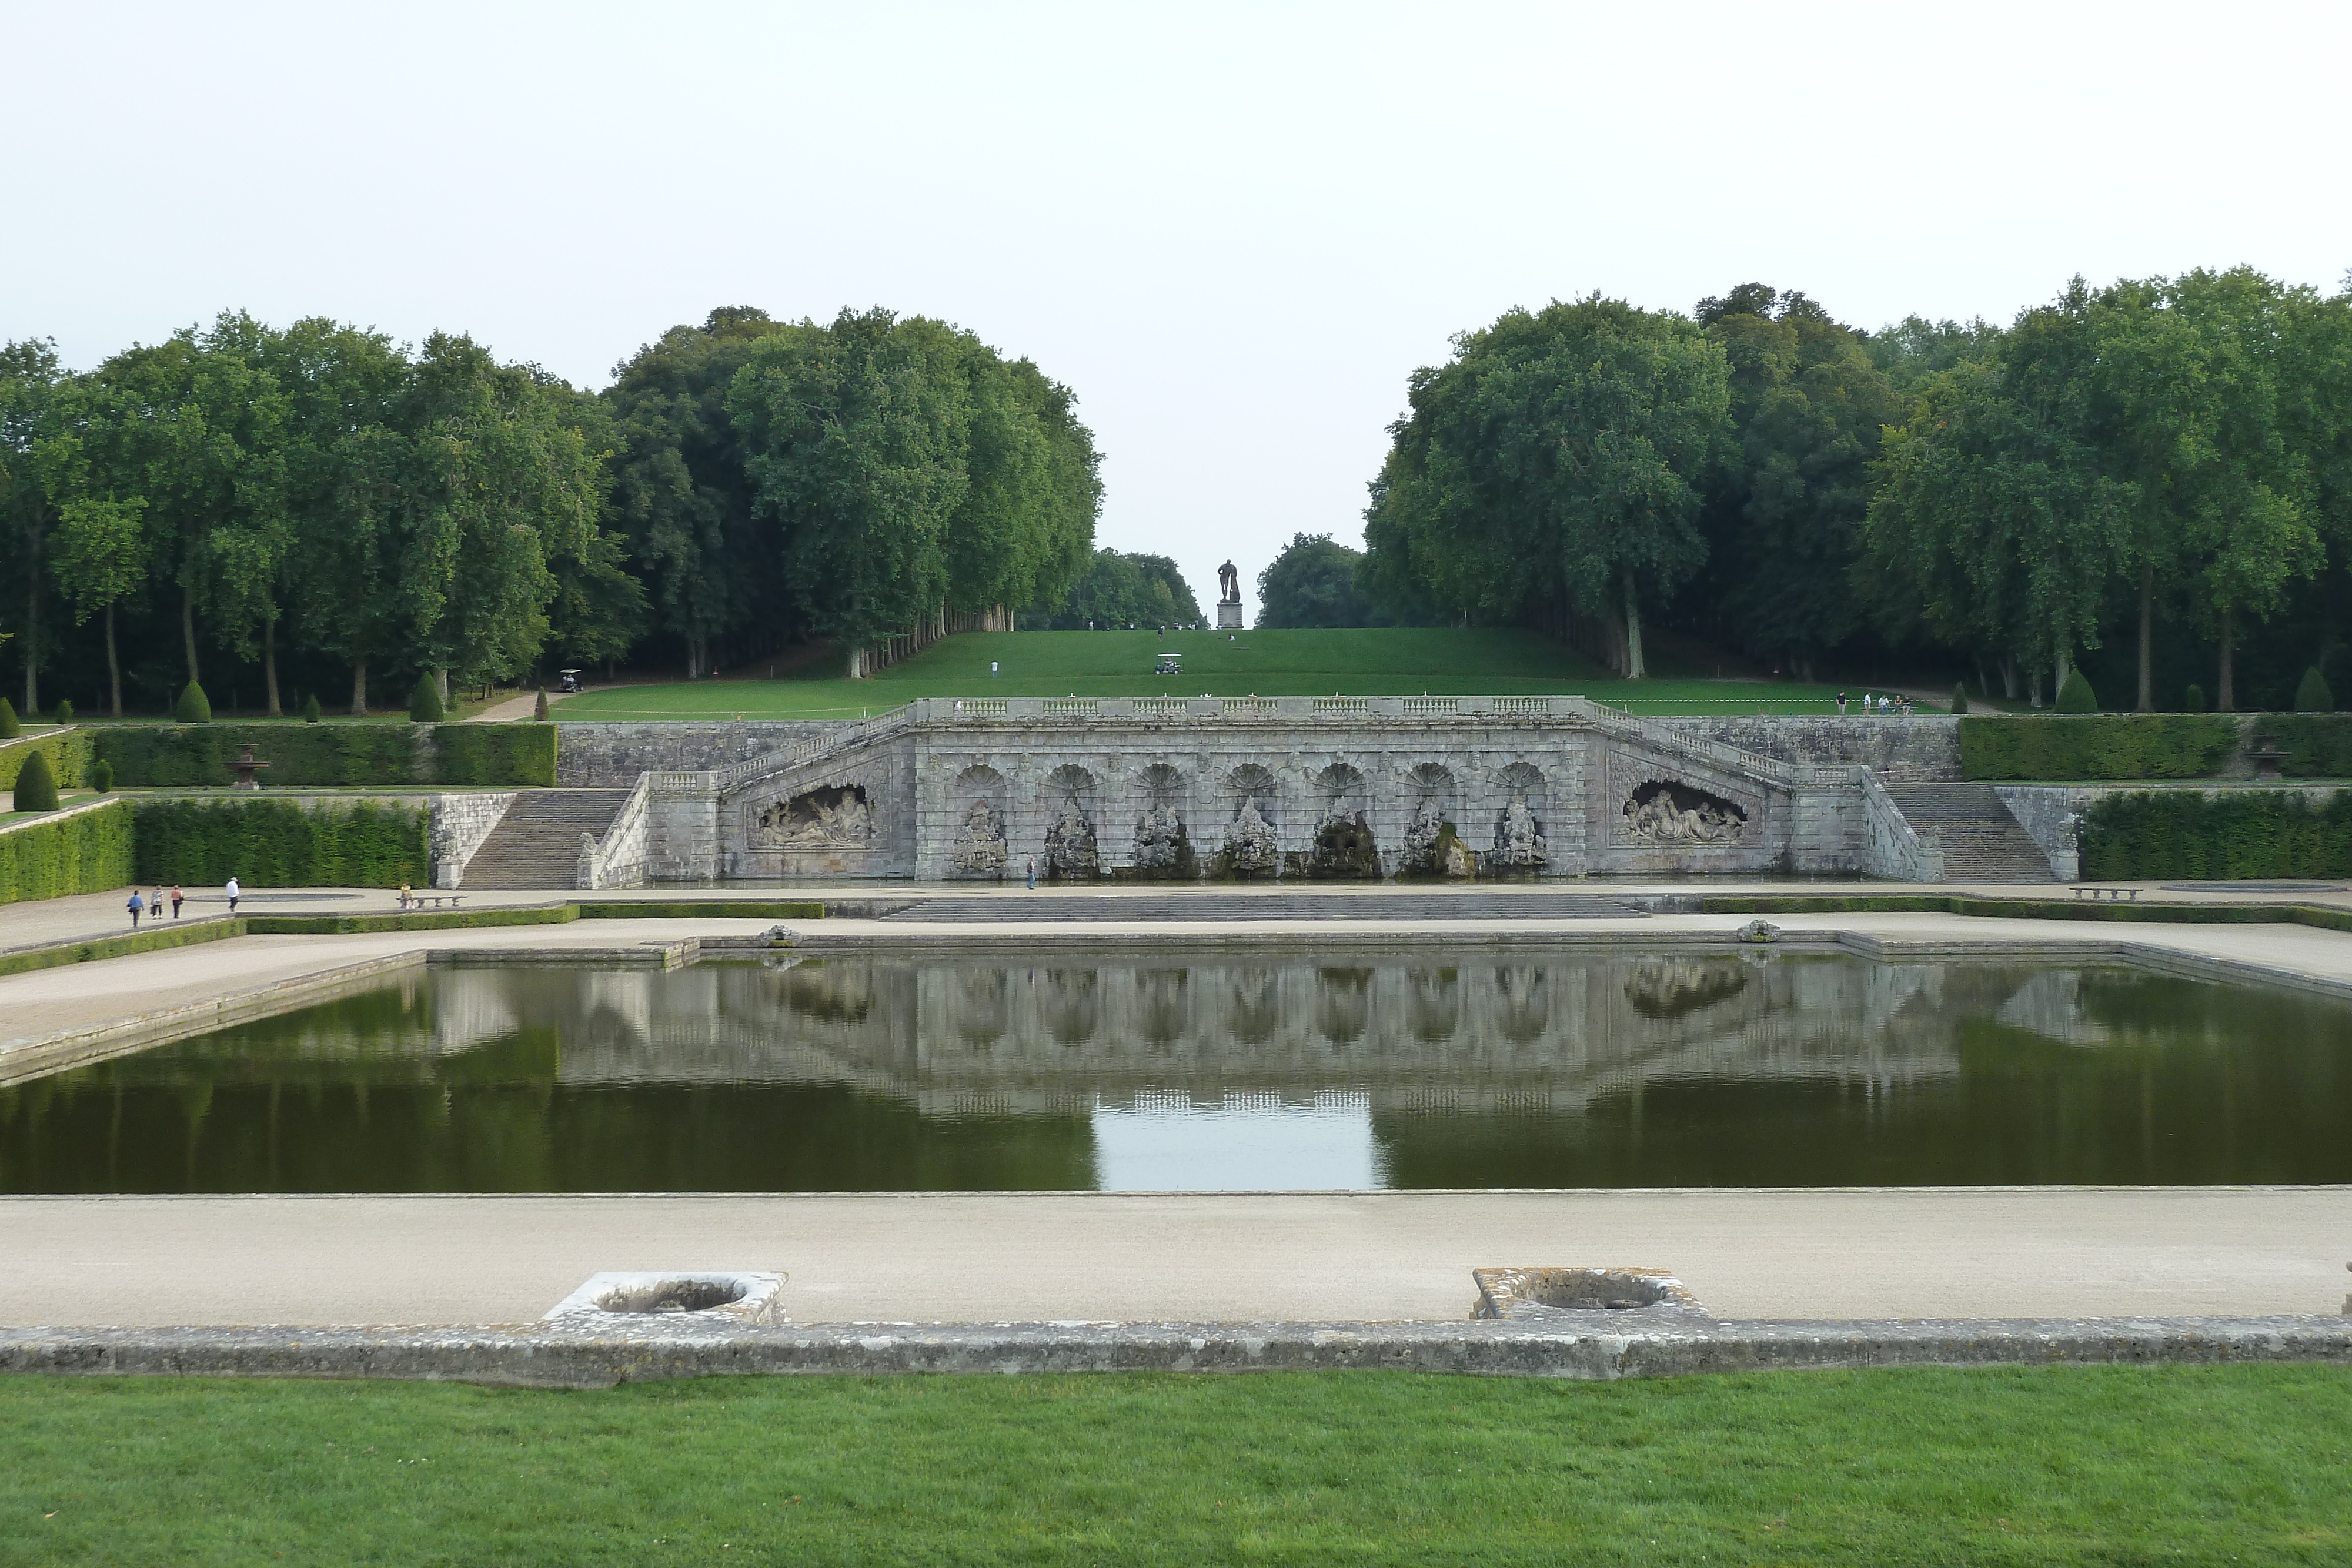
(1455, 1068)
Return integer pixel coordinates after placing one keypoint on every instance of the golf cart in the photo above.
(570, 680)
(1169, 664)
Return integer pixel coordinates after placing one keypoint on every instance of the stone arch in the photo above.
(1247, 844)
(1433, 845)
(1522, 825)
(1345, 844)
(979, 797)
(1068, 802)
(1163, 841)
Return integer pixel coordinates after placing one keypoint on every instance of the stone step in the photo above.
(537, 843)
(1982, 840)
(1403, 908)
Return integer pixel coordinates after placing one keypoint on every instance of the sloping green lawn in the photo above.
(1383, 662)
(2071, 1465)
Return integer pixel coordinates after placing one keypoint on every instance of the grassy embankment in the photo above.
(1385, 663)
(2068, 1465)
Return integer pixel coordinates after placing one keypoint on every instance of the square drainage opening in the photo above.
(1542, 1292)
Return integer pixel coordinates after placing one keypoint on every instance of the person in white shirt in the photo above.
(234, 893)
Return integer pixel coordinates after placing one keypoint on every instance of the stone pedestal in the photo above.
(1229, 616)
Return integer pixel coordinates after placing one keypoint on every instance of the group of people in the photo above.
(152, 908)
(1879, 702)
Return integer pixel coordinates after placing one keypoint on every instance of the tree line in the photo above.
(320, 497)
(2162, 453)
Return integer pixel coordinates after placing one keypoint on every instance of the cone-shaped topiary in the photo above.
(36, 787)
(193, 707)
(2075, 696)
(539, 708)
(1960, 698)
(2312, 696)
(9, 726)
(101, 774)
(2193, 699)
(65, 708)
(310, 708)
(425, 702)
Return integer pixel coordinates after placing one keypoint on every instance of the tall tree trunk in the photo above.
(2008, 677)
(188, 630)
(1633, 671)
(2034, 689)
(441, 684)
(2147, 639)
(358, 687)
(269, 663)
(113, 666)
(2064, 668)
(2226, 701)
(32, 629)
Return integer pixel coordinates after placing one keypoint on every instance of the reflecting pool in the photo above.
(1180, 1071)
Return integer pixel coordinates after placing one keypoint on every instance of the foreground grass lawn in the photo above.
(1384, 662)
(2098, 1465)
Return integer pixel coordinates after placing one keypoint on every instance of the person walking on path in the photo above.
(155, 905)
(178, 898)
(136, 905)
(1032, 873)
(1840, 705)
(234, 893)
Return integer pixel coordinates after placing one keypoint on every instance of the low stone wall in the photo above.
(598, 756)
(1921, 748)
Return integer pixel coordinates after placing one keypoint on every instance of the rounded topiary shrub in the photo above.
(2312, 696)
(310, 708)
(101, 776)
(193, 707)
(37, 787)
(2075, 696)
(9, 726)
(425, 702)
(2193, 699)
(65, 708)
(1960, 698)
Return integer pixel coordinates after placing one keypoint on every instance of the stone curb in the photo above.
(1590, 1347)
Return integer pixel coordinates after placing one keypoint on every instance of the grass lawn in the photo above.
(2077, 1465)
(1385, 663)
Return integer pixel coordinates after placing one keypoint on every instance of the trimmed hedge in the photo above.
(2317, 745)
(87, 851)
(278, 843)
(149, 940)
(2033, 909)
(494, 754)
(2103, 746)
(362, 756)
(2236, 834)
(69, 751)
(37, 785)
(435, 920)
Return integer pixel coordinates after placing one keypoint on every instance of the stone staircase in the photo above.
(537, 843)
(1982, 841)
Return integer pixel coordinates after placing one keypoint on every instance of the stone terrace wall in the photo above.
(593, 756)
(1925, 748)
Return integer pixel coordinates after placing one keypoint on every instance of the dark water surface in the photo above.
(1180, 1072)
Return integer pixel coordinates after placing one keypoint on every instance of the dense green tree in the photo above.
(101, 560)
(1784, 513)
(1122, 589)
(31, 379)
(1313, 583)
(1025, 531)
(1915, 349)
(1555, 468)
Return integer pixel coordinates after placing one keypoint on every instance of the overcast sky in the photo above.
(1234, 230)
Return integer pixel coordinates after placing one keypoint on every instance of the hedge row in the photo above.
(25, 960)
(2317, 745)
(2236, 834)
(67, 750)
(86, 851)
(365, 755)
(2033, 909)
(2098, 746)
(278, 843)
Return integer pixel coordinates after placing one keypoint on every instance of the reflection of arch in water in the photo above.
(1071, 1001)
(1164, 1004)
(983, 1011)
(1665, 988)
(1343, 1004)
(1433, 1004)
(1523, 1003)
(1254, 1010)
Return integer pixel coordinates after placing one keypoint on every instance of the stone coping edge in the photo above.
(1585, 1350)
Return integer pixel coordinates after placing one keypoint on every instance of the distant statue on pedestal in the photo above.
(1229, 584)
